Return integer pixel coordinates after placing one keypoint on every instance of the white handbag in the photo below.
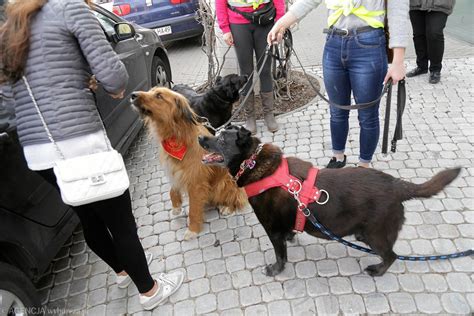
(89, 178)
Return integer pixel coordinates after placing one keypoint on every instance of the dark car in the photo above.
(171, 19)
(34, 222)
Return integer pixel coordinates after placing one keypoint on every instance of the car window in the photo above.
(107, 23)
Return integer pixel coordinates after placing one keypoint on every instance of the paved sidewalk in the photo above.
(223, 266)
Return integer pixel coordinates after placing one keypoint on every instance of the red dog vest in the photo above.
(307, 192)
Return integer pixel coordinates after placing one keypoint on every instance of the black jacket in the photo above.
(445, 6)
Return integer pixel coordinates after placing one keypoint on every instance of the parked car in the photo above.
(171, 19)
(34, 222)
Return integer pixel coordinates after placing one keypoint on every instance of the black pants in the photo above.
(428, 38)
(247, 39)
(111, 232)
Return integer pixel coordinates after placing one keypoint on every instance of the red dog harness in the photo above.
(305, 193)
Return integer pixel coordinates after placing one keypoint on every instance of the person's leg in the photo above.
(260, 44)
(338, 87)
(368, 67)
(117, 215)
(243, 44)
(95, 232)
(266, 80)
(418, 22)
(435, 23)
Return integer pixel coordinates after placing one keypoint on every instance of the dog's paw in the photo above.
(290, 237)
(188, 235)
(375, 270)
(176, 211)
(225, 210)
(272, 269)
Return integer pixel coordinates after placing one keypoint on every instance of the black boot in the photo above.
(435, 77)
(417, 71)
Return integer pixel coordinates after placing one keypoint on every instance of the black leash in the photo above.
(328, 233)
(401, 102)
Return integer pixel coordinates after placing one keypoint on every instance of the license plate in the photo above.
(165, 30)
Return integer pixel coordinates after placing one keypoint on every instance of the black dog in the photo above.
(216, 103)
(363, 202)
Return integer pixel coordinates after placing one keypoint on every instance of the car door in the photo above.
(118, 115)
(23, 193)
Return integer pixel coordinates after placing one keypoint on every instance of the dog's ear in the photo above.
(243, 136)
(184, 110)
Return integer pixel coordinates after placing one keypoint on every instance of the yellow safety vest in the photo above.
(247, 3)
(346, 7)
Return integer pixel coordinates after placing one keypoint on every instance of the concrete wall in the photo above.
(461, 21)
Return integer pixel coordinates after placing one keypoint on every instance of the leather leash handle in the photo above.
(387, 121)
(401, 102)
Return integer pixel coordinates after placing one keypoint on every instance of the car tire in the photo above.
(17, 291)
(160, 75)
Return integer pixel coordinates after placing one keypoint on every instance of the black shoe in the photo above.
(334, 164)
(435, 77)
(417, 71)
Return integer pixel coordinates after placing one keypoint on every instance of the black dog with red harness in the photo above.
(352, 201)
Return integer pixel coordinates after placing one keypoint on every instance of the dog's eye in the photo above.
(158, 95)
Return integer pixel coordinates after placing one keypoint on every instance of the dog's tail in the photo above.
(430, 187)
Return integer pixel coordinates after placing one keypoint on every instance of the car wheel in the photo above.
(18, 296)
(159, 73)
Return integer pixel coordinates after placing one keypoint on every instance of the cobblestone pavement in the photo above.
(223, 265)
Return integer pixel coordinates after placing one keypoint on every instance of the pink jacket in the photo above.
(225, 16)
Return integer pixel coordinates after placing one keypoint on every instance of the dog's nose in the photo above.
(134, 96)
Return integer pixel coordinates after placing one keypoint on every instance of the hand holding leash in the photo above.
(277, 32)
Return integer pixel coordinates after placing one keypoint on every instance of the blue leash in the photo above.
(328, 233)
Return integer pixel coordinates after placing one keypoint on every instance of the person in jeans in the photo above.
(428, 19)
(55, 44)
(247, 37)
(355, 61)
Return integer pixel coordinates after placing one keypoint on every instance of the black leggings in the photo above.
(247, 39)
(428, 38)
(110, 231)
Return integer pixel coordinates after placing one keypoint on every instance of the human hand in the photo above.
(278, 30)
(396, 72)
(118, 95)
(276, 34)
(93, 84)
(229, 39)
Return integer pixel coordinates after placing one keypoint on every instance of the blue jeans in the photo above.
(355, 63)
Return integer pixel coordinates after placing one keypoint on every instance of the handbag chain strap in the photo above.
(48, 132)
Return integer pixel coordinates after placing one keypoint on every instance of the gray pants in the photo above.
(247, 39)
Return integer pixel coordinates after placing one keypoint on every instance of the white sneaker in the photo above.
(124, 281)
(168, 284)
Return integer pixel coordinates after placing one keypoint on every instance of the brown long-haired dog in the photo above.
(168, 116)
